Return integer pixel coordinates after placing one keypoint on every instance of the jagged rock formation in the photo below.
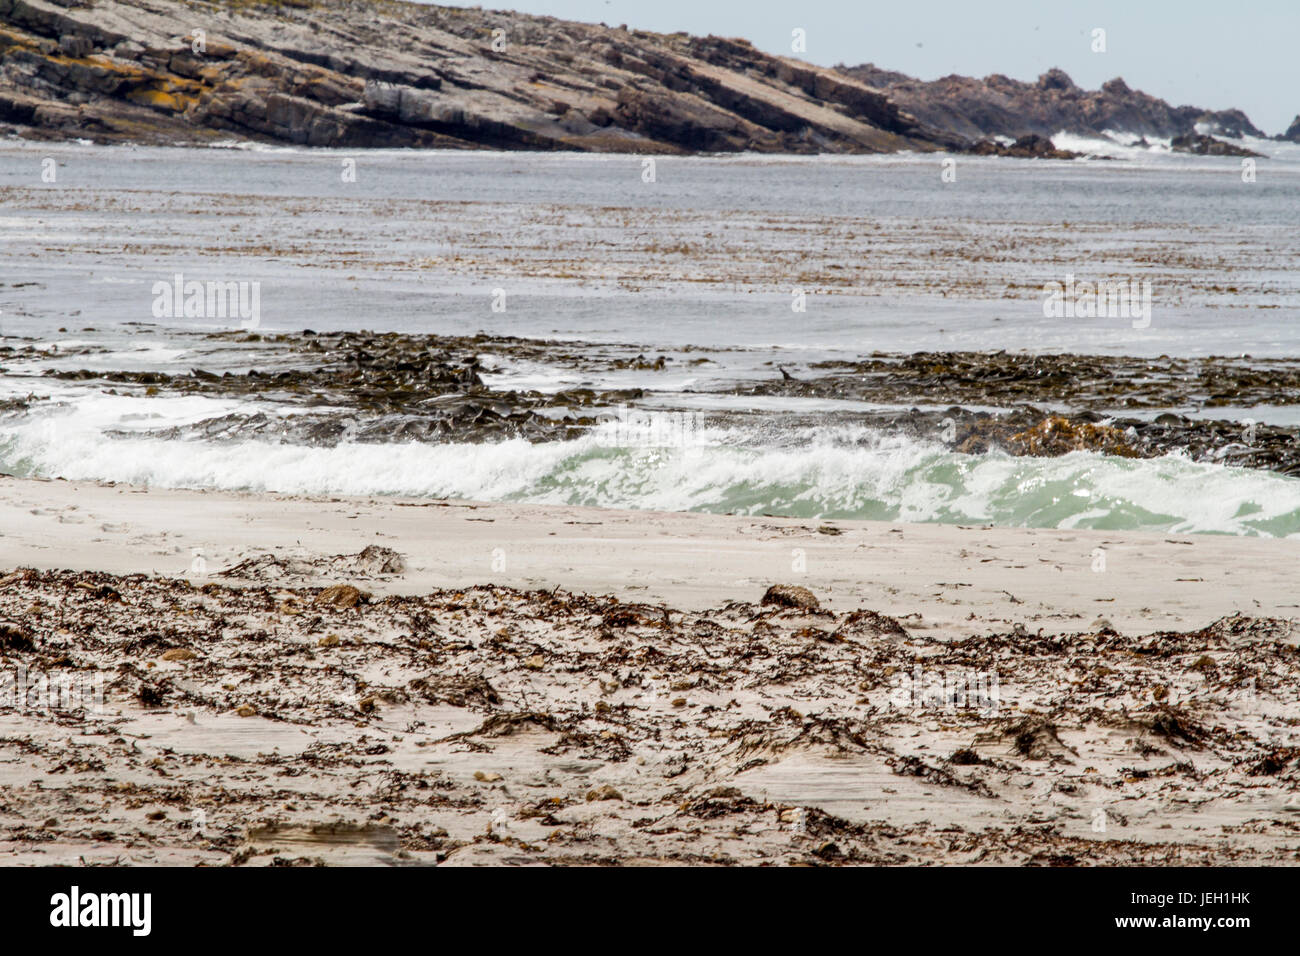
(1293, 131)
(1000, 106)
(383, 73)
(1031, 146)
(1207, 146)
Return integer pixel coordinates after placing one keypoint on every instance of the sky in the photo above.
(1205, 53)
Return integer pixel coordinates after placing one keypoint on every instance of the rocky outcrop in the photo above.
(383, 73)
(362, 73)
(1000, 106)
(1032, 146)
(1292, 133)
(1207, 146)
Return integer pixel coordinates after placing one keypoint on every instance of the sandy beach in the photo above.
(298, 680)
(947, 581)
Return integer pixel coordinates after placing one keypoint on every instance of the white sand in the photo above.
(741, 734)
(958, 579)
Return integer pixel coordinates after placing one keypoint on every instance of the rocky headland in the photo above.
(386, 74)
(1000, 106)
(380, 73)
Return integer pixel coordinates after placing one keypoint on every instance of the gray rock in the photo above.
(333, 73)
(75, 46)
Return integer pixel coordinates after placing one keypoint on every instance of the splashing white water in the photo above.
(823, 473)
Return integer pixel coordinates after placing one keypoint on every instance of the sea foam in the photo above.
(848, 472)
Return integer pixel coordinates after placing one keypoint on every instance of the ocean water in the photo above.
(701, 262)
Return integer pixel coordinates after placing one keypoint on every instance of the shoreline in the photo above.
(945, 579)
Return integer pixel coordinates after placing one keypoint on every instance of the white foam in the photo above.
(1113, 145)
(1123, 145)
(847, 472)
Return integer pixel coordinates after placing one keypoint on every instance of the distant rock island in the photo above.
(380, 73)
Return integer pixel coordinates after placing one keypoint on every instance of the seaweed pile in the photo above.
(367, 387)
(279, 725)
(383, 387)
(1050, 405)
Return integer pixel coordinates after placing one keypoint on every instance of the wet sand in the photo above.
(524, 684)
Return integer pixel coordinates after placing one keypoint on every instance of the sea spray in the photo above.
(845, 472)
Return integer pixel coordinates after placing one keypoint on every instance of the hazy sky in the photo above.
(1207, 53)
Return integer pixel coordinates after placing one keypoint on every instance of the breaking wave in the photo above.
(851, 472)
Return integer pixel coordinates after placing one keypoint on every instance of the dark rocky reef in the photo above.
(1000, 106)
(393, 388)
(1032, 146)
(1207, 146)
(389, 387)
(1054, 404)
(362, 73)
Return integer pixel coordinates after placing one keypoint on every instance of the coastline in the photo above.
(957, 578)
(281, 679)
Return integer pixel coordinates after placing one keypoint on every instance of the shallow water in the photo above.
(703, 259)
